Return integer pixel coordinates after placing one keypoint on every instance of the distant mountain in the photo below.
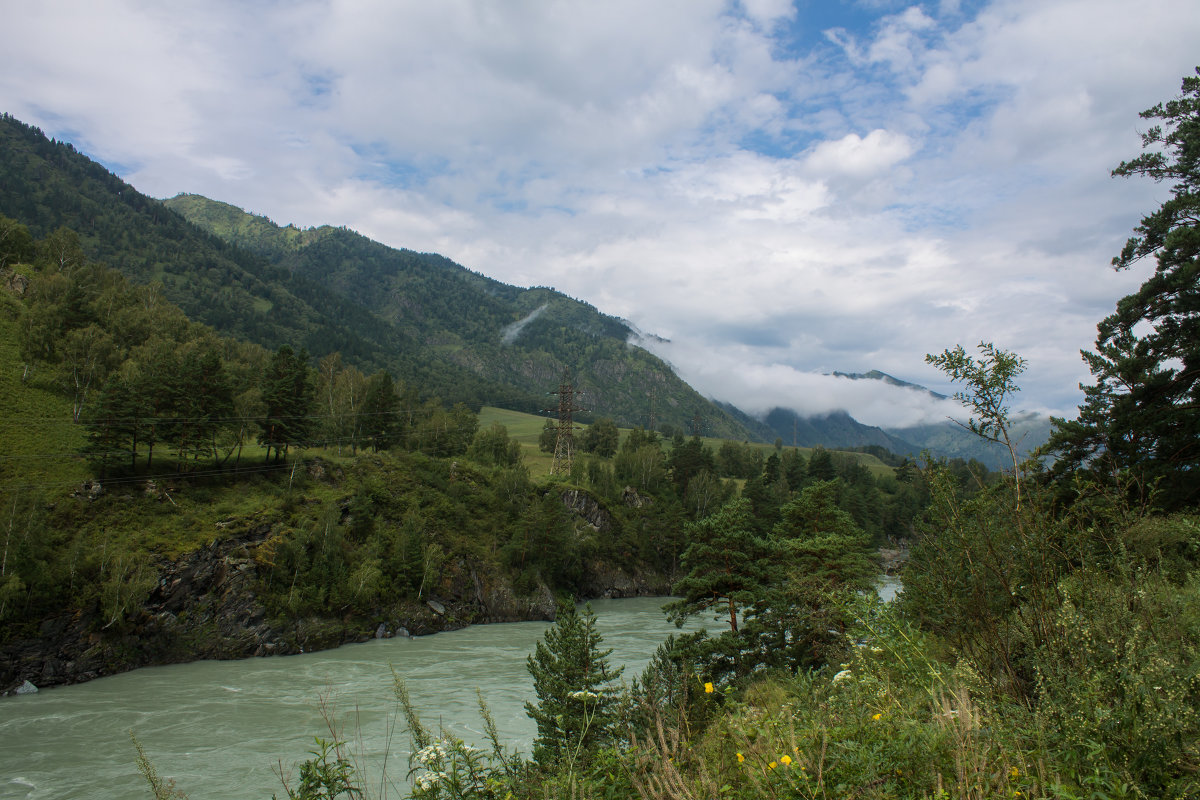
(950, 440)
(837, 429)
(945, 439)
(876, 375)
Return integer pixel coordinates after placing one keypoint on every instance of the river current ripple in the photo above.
(221, 729)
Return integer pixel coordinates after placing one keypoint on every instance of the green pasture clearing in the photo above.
(527, 428)
(39, 443)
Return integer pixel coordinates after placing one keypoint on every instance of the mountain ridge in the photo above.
(448, 330)
(428, 321)
(508, 335)
(944, 439)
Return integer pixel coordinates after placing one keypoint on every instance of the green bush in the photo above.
(1119, 681)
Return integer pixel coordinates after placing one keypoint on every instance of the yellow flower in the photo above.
(1014, 773)
(708, 688)
(772, 765)
(876, 717)
(741, 758)
(786, 759)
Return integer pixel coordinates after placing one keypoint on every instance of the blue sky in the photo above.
(780, 189)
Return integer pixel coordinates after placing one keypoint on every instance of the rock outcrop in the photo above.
(204, 606)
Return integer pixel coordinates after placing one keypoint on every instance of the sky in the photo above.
(770, 191)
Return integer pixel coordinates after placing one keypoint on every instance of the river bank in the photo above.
(203, 606)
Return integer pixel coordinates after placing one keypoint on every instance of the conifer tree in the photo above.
(825, 548)
(1140, 419)
(381, 421)
(573, 682)
(112, 426)
(727, 563)
(601, 438)
(287, 393)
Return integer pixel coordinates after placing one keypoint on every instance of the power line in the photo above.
(126, 480)
(307, 443)
(16, 422)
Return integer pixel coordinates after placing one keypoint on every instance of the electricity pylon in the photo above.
(564, 442)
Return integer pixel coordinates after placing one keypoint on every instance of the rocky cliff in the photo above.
(203, 606)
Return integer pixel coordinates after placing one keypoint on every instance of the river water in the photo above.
(218, 728)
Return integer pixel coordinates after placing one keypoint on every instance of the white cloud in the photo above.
(860, 156)
(766, 13)
(762, 387)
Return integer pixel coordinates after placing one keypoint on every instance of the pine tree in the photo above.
(1139, 422)
(573, 682)
(381, 419)
(112, 427)
(728, 564)
(548, 436)
(825, 548)
(287, 393)
(601, 438)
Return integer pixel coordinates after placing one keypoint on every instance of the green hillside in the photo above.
(431, 323)
(48, 185)
(521, 338)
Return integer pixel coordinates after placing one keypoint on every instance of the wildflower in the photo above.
(786, 759)
(428, 754)
(877, 717)
(708, 688)
(1014, 773)
(772, 765)
(741, 758)
(841, 676)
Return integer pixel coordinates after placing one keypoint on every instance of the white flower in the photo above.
(841, 676)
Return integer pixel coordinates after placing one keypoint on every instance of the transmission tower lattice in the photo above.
(564, 442)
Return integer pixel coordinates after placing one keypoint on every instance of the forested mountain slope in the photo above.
(48, 185)
(523, 338)
(431, 323)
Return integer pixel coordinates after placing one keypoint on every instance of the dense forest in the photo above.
(1046, 643)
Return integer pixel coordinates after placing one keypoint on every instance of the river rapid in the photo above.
(221, 729)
